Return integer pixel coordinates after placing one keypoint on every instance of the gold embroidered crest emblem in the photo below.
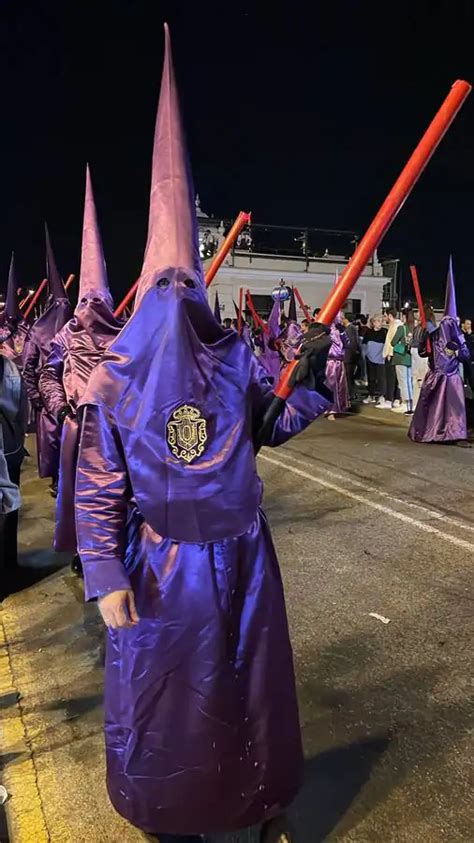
(187, 433)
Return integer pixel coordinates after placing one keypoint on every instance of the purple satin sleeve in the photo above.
(51, 380)
(102, 496)
(302, 408)
(30, 368)
(345, 339)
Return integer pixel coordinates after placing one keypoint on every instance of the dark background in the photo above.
(300, 111)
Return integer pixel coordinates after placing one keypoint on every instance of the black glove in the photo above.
(312, 356)
(64, 413)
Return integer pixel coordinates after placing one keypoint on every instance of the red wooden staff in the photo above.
(419, 301)
(128, 298)
(69, 281)
(242, 220)
(26, 299)
(35, 298)
(303, 306)
(380, 225)
(258, 321)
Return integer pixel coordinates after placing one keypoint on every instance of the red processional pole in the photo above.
(26, 299)
(128, 298)
(258, 321)
(35, 298)
(69, 281)
(376, 231)
(303, 306)
(242, 220)
(419, 301)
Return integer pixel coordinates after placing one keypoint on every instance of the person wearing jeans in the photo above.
(372, 344)
(401, 359)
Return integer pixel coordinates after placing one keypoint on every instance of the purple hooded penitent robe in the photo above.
(35, 356)
(440, 414)
(201, 719)
(336, 379)
(270, 357)
(75, 352)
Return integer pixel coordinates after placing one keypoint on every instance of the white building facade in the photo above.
(268, 255)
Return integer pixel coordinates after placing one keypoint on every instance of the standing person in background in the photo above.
(336, 379)
(57, 313)
(351, 353)
(373, 343)
(393, 323)
(468, 373)
(419, 365)
(401, 359)
(362, 327)
(440, 415)
(13, 421)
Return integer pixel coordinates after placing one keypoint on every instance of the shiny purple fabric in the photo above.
(290, 340)
(336, 379)
(35, 355)
(440, 414)
(270, 358)
(158, 365)
(200, 703)
(75, 352)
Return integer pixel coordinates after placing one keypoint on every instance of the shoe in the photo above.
(383, 405)
(76, 566)
(396, 403)
(369, 400)
(400, 409)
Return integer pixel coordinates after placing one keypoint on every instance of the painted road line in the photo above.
(355, 496)
(24, 809)
(346, 478)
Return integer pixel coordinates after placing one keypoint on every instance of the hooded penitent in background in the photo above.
(168, 519)
(75, 352)
(440, 414)
(13, 330)
(270, 356)
(58, 312)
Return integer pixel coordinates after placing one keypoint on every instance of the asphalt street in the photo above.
(375, 537)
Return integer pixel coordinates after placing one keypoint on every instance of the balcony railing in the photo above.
(301, 244)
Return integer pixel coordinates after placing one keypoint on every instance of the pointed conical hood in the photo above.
(12, 304)
(93, 276)
(172, 227)
(292, 307)
(450, 308)
(56, 286)
(217, 308)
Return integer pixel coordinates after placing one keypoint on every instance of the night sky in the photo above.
(304, 114)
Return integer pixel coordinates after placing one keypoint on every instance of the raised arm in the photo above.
(302, 408)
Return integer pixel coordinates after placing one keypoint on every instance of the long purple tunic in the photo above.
(336, 379)
(35, 355)
(440, 414)
(75, 352)
(201, 718)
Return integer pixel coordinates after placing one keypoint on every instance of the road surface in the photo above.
(376, 541)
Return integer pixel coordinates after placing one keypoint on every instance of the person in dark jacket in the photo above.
(351, 353)
(13, 421)
(373, 343)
